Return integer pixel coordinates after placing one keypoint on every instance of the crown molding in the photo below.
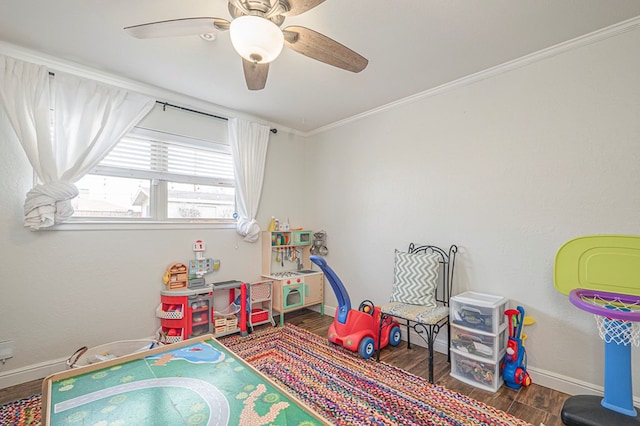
(174, 97)
(576, 43)
(160, 94)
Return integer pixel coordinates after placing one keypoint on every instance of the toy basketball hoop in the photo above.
(617, 315)
(598, 272)
(618, 318)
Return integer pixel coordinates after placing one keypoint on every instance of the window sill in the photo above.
(124, 225)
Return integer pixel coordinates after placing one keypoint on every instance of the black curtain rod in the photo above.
(166, 104)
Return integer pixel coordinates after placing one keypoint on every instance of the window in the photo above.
(158, 176)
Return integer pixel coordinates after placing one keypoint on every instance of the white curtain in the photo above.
(87, 118)
(249, 148)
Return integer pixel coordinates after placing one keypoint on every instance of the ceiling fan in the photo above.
(256, 35)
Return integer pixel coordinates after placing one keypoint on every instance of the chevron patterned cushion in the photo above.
(415, 278)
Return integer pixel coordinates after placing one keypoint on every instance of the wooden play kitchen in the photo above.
(285, 261)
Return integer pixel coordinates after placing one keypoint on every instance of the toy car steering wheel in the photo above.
(366, 306)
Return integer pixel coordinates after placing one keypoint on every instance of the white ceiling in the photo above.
(412, 46)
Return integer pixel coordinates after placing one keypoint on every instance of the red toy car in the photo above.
(357, 330)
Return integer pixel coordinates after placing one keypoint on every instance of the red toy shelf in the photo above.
(187, 313)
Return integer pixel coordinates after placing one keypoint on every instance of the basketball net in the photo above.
(614, 330)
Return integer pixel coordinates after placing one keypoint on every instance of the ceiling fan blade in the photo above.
(320, 47)
(255, 74)
(178, 27)
(300, 6)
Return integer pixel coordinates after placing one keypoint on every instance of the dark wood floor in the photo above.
(535, 404)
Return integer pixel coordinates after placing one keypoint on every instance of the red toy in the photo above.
(514, 368)
(357, 330)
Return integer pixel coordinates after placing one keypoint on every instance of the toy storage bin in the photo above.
(260, 304)
(167, 338)
(232, 323)
(86, 356)
(478, 311)
(259, 315)
(484, 345)
(169, 311)
(477, 372)
(220, 322)
(225, 324)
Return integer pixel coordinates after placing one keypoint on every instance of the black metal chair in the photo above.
(421, 291)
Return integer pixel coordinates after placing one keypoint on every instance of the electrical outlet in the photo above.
(6, 349)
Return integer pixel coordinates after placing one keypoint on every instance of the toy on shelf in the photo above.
(474, 318)
(481, 372)
(357, 330)
(200, 266)
(483, 345)
(320, 243)
(226, 319)
(176, 276)
(171, 312)
(514, 370)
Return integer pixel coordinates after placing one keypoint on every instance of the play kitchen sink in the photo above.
(307, 271)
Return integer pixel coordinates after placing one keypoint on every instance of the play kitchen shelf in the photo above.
(478, 339)
(187, 313)
(285, 261)
(184, 314)
(260, 303)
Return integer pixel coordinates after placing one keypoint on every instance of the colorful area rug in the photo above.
(337, 383)
(347, 390)
(23, 412)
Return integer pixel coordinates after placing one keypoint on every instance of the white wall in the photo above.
(508, 168)
(60, 290)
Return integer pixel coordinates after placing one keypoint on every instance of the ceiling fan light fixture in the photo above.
(256, 39)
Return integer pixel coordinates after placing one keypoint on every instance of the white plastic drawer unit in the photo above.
(481, 344)
(481, 374)
(478, 311)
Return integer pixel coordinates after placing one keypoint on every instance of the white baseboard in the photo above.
(36, 371)
(31, 372)
(562, 383)
(566, 384)
(539, 376)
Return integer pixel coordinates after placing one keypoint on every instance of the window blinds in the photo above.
(156, 155)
